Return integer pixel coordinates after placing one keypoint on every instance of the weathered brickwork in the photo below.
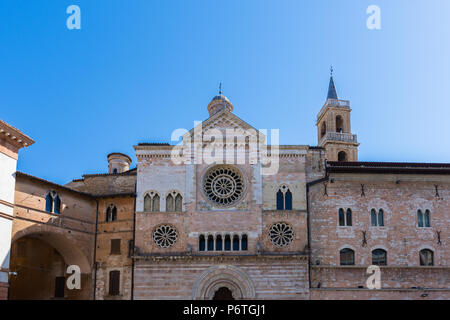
(253, 277)
(70, 233)
(400, 196)
(106, 184)
(121, 229)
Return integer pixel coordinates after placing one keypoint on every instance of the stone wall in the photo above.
(70, 233)
(106, 184)
(192, 277)
(121, 229)
(400, 196)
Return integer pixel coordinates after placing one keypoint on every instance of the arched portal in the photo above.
(221, 281)
(39, 262)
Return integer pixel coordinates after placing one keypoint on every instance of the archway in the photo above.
(323, 129)
(342, 156)
(39, 263)
(212, 281)
(339, 124)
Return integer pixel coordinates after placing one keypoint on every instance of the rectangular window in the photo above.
(60, 283)
(114, 283)
(115, 246)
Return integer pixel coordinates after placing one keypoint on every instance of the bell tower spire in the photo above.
(332, 94)
(334, 127)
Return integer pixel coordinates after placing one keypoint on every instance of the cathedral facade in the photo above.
(224, 215)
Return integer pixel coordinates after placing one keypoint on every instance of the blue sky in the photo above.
(139, 69)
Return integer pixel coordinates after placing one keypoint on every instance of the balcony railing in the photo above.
(337, 136)
(334, 103)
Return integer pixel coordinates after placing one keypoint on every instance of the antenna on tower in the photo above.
(220, 88)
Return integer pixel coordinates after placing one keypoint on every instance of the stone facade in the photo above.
(258, 222)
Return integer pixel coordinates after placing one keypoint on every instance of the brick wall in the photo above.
(272, 278)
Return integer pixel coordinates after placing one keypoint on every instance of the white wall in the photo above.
(7, 185)
(162, 177)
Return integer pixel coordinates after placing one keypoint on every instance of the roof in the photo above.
(126, 173)
(119, 154)
(388, 167)
(332, 94)
(14, 135)
(53, 184)
(153, 144)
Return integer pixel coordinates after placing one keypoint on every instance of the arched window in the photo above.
(419, 218)
(114, 213)
(379, 257)
(147, 203)
(174, 202)
(57, 205)
(426, 257)
(342, 156)
(341, 217)
(235, 242)
(377, 219)
(170, 203)
(201, 243)
(227, 242)
(210, 243)
(284, 198)
(244, 242)
(111, 213)
(339, 124)
(151, 201)
(288, 200)
(373, 218)
(280, 200)
(347, 257)
(115, 170)
(49, 203)
(323, 129)
(155, 203)
(381, 218)
(427, 218)
(219, 243)
(348, 217)
(178, 203)
(52, 202)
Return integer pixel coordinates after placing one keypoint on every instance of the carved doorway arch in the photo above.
(232, 278)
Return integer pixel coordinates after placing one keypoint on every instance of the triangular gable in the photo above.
(224, 120)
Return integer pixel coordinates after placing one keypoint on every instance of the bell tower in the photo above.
(334, 128)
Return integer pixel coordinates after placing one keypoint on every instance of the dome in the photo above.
(218, 103)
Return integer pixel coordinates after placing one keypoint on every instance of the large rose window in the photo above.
(223, 185)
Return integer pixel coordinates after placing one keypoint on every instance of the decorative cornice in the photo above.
(220, 257)
(14, 136)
